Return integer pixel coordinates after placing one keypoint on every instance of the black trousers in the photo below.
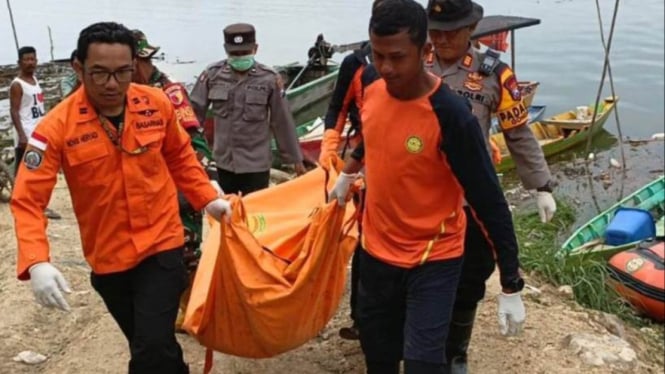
(477, 267)
(144, 302)
(245, 183)
(18, 158)
(359, 200)
(404, 314)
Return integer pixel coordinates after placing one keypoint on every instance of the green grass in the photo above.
(538, 245)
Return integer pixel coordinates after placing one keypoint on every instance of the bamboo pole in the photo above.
(11, 19)
(50, 40)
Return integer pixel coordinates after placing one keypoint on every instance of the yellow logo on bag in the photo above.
(256, 223)
(414, 144)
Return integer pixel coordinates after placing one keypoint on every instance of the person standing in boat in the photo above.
(26, 107)
(491, 87)
(247, 104)
(192, 220)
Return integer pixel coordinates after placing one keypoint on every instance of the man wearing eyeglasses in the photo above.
(123, 155)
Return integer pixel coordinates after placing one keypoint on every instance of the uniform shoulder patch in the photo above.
(513, 88)
(175, 93)
(33, 158)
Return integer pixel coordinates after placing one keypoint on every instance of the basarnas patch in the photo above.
(33, 159)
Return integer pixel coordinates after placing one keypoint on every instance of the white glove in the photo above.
(218, 208)
(511, 313)
(46, 282)
(341, 188)
(546, 205)
(217, 187)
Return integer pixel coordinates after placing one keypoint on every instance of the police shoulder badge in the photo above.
(513, 88)
(33, 159)
(414, 144)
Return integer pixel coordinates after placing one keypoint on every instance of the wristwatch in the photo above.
(548, 187)
(515, 285)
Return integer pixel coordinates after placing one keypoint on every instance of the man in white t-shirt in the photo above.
(26, 103)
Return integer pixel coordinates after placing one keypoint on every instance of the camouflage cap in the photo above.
(143, 48)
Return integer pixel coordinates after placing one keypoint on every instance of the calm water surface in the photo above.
(564, 52)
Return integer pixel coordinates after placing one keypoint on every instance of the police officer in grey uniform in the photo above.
(248, 106)
(491, 88)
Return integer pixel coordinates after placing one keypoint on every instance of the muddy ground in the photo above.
(87, 340)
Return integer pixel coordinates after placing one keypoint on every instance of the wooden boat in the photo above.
(535, 113)
(555, 139)
(571, 119)
(313, 86)
(528, 90)
(589, 239)
(302, 130)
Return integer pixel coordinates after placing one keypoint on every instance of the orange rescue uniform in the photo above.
(428, 223)
(423, 158)
(125, 201)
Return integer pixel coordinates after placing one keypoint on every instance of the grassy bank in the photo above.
(538, 245)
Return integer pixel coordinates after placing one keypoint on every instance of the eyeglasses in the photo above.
(102, 77)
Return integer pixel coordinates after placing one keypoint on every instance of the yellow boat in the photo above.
(580, 118)
(555, 139)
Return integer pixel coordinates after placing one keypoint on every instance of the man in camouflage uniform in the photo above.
(192, 220)
(491, 87)
(247, 105)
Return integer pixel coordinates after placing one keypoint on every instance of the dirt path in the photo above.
(88, 341)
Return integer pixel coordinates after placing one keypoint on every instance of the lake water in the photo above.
(564, 52)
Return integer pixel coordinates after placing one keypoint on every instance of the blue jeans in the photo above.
(405, 313)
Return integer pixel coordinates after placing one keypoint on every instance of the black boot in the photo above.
(459, 336)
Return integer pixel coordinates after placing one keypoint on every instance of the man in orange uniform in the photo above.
(123, 154)
(346, 102)
(423, 155)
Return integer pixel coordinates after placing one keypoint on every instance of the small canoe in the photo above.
(580, 118)
(555, 139)
(311, 143)
(535, 113)
(302, 130)
(589, 239)
(315, 85)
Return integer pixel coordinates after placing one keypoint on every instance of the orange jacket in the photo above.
(125, 204)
